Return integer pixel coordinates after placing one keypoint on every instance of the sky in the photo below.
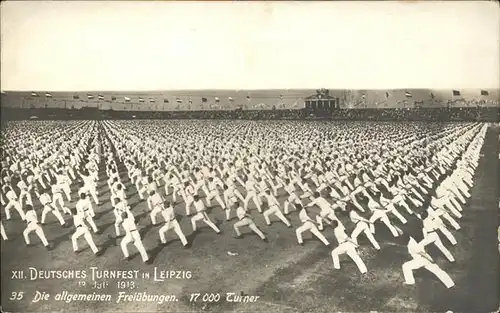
(146, 46)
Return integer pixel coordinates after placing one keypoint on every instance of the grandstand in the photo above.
(413, 104)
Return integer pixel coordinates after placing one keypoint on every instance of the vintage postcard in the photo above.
(250, 156)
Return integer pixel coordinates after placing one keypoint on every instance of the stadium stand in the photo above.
(383, 105)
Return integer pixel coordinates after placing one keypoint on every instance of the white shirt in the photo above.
(44, 199)
(414, 249)
(198, 176)
(11, 195)
(168, 214)
(175, 181)
(189, 190)
(199, 205)
(78, 220)
(340, 234)
(155, 201)
(355, 217)
(303, 216)
(372, 204)
(430, 224)
(83, 205)
(249, 186)
(229, 194)
(152, 187)
(115, 185)
(290, 188)
(212, 186)
(22, 185)
(31, 217)
(121, 207)
(62, 179)
(87, 180)
(263, 186)
(385, 202)
(129, 225)
(321, 203)
(329, 177)
(240, 213)
(136, 172)
(271, 200)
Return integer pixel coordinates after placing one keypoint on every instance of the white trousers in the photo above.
(83, 231)
(292, 198)
(27, 195)
(381, 215)
(134, 237)
(308, 225)
(246, 221)
(330, 214)
(350, 249)
(276, 211)
(363, 227)
(215, 195)
(49, 208)
(202, 216)
(419, 262)
(58, 199)
(154, 212)
(38, 230)
(2, 230)
(433, 237)
(253, 196)
(176, 227)
(16, 205)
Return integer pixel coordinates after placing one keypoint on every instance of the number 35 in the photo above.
(16, 296)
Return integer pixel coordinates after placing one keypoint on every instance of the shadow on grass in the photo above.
(58, 240)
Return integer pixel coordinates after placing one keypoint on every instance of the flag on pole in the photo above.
(217, 100)
(48, 95)
(203, 100)
(484, 93)
(127, 99)
(456, 93)
(76, 97)
(89, 96)
(408, 94)
(248, 101)
(100, 97)
(34, 94)
(141, 99)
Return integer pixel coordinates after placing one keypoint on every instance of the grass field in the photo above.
(287, 277)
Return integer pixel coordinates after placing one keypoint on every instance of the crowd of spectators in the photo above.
(384, 114)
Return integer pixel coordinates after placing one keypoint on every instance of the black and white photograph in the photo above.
(220, 156)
